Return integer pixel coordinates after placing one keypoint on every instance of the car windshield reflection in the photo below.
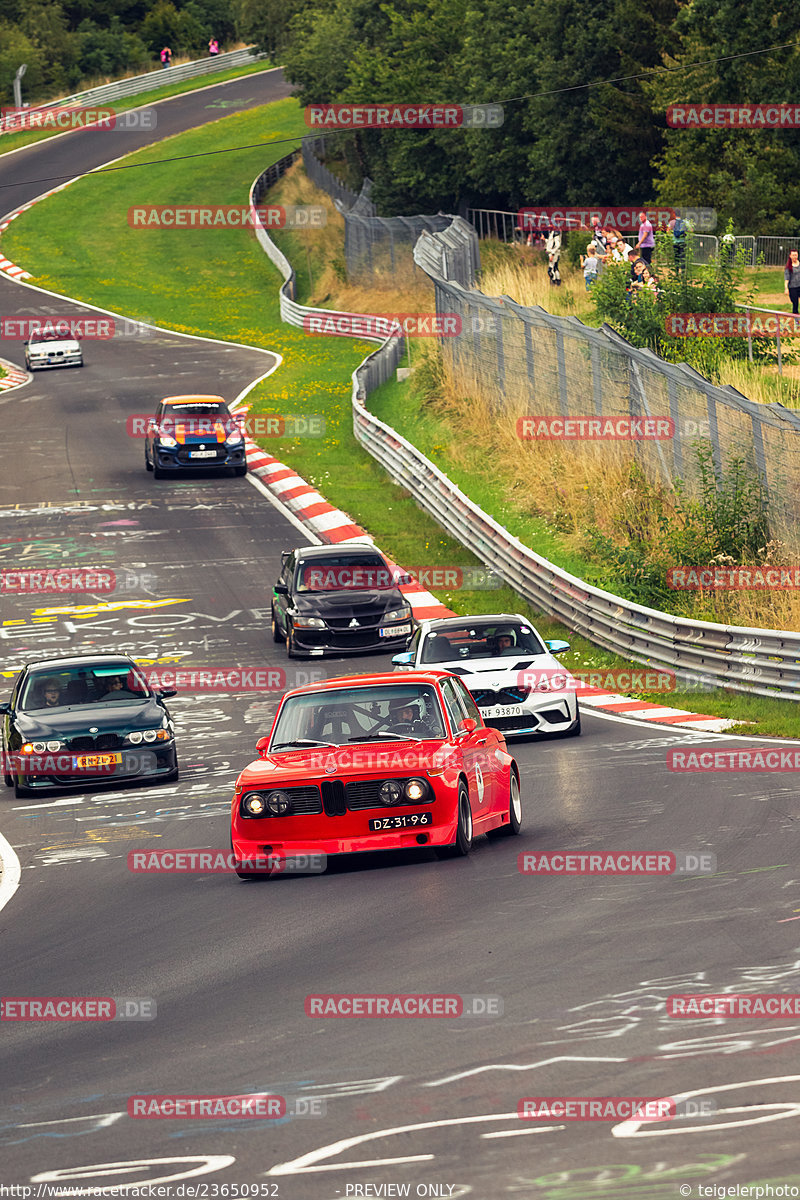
(359, 714)
(119, 683)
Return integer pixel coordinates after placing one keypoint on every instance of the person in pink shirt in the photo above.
(646, 241)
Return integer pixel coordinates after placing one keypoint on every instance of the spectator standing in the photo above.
(646, 241)
(213, 47)
(166, 57)
(677, 227)
(599, 238)
(553, 247)
(791, 276)
(591, 265)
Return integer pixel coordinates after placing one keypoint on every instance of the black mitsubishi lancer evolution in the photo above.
(341, 599)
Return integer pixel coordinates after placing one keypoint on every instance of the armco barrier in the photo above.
(761, 661)
(108, 92)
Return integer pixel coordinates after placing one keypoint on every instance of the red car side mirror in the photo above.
(468, 724)
(261, 745)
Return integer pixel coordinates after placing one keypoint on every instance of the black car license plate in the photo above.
(400, 821)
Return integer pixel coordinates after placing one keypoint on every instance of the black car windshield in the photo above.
(344, 572)
(90, 683)
(478, 639)
(343, 715)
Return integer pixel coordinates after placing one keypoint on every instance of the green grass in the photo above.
(219, 283)
(13, 141)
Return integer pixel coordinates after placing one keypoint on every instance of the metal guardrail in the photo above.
(109, 92)
(761, 661)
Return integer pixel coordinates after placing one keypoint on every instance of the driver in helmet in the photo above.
(505, 641)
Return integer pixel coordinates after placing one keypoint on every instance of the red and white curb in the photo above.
(643, 710)
(14, 375)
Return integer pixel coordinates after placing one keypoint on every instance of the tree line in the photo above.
(67, 42)
(585, 87)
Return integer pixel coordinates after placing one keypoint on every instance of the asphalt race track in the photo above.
(579, 967)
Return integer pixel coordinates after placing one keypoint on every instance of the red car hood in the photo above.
(385, 758)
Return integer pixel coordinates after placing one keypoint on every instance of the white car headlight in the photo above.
(164, 439)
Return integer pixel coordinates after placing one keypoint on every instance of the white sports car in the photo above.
(514, 677)
(43, 350)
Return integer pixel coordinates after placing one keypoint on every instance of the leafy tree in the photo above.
(17, 48)
(165, 25)
(749, 175)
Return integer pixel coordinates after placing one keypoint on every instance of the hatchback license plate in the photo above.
(400, 821)
(202, 454)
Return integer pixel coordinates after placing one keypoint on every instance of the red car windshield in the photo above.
(359, 714)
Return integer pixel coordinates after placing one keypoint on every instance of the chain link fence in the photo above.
(530, 363)
(375, 247)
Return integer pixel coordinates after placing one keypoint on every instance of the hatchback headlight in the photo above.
(234, 436)
(164, 439)
(398, 614)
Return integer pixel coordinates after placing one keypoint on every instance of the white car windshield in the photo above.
(477, 640)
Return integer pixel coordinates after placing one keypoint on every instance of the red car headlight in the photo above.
(253, 805)
(416, 790)
(390, 792)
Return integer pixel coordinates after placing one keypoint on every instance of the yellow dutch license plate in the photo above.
(86, 761)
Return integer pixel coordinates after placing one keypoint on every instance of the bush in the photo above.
(654, 529)
(642, 317)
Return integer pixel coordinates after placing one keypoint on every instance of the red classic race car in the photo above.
(374, 762)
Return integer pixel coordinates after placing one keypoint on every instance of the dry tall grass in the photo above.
(524, 278)
(580, 487)
(402, 290)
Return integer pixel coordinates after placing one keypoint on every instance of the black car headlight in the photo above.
(148, 735)
(308, 623)
(398, 614)
(390, 792)
(41, 747)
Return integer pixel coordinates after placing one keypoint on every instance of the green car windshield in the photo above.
(87, 684)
